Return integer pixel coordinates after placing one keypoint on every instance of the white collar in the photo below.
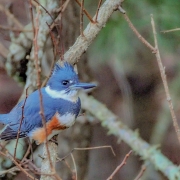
(71, 96)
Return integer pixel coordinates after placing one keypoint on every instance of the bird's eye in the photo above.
(65, 82)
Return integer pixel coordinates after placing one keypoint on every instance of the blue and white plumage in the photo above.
(61, 106)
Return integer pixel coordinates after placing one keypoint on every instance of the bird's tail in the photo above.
(3, 120)
(10, 134)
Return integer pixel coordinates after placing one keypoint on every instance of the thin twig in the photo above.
(32, 167)
(38, 70)
(60, 11)
(164, 80)
(87, 149)
(27, 153)
(74, 53)
(55, 47)
(143, 168)
(14, 29)
(11, 16)
(115, 127)
(54, 42)
(62, 7)
(32, 17)
(8, 155)
(85, 12)
(22, 118)
(81, 18)
(100, 147)
(136, 32)
(19, 166)
(171, 30)
(64, 160)
(44, 9)
(120, 166)
(53, 20)
(59, 17)
(99, 4)
(11, 171)
(61, 38)
(75, 169)
(162, 70)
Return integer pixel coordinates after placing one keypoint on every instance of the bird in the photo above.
(61, 106)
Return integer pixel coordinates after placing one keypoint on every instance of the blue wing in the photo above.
(31, 113)
(32, 118)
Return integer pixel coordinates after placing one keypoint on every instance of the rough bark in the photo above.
(46, 168)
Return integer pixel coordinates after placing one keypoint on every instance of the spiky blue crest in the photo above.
(66, 67)
(60, 74)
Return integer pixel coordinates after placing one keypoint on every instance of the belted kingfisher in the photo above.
(60, 102)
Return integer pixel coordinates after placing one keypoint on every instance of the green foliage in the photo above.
(118, 40)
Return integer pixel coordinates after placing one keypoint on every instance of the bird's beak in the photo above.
(83, 86)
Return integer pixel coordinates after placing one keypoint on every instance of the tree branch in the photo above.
(83, 42)
(164, 80)
(120, 130)
(46, 167)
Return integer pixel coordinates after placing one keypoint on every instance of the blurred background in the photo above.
(128, 78)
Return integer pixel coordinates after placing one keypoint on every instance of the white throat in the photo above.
(71, 96)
